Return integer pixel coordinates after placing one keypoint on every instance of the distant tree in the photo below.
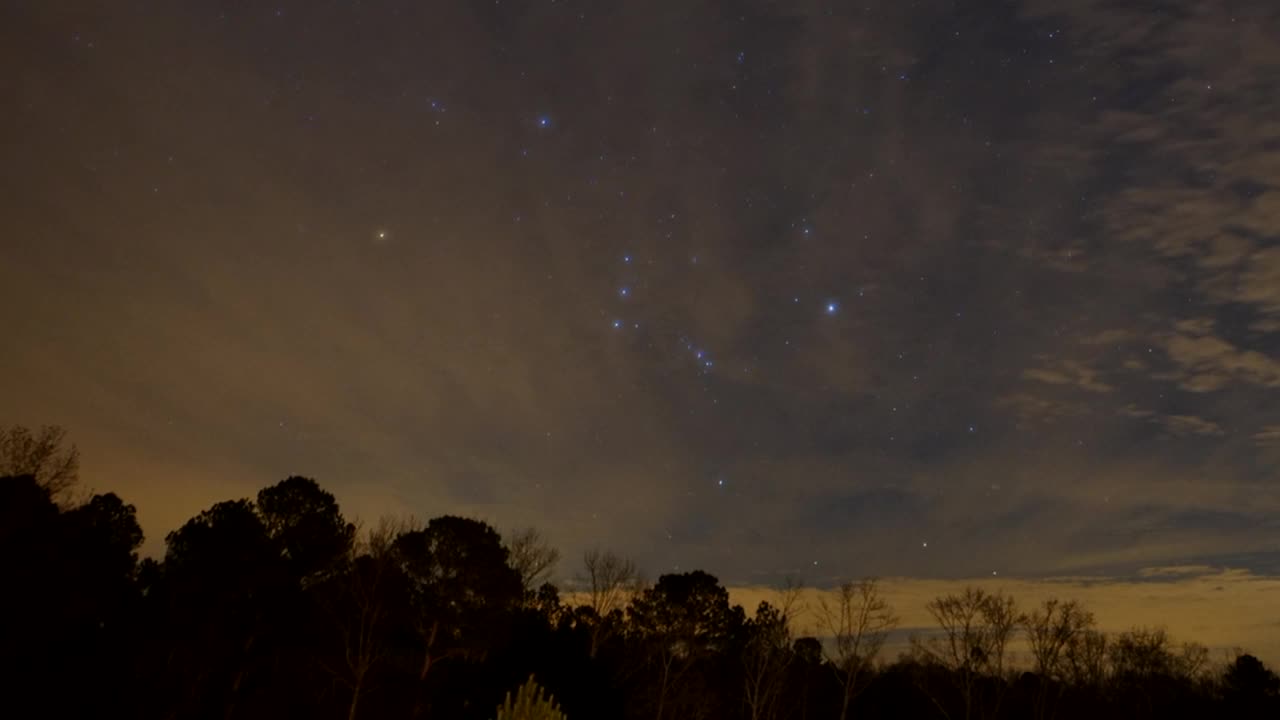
(1250, 690)
(1084, 660)
(1051, 631)
(532, 557)
(1143, 653)
(857, 621)
(611, 582)
(976, 627)
(1149, 674)
(44, 455)
(767, 654)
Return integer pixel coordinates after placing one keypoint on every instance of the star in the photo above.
(832, 307)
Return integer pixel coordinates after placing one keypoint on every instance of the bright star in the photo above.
(832, 307)
(544, 121)
(617, 324)
(624, 291)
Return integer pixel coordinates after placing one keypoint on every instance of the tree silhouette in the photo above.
(679, 622)
(611, 582)
(531, 556)
(767, 655)
(360, 602)
(221, 583)
(460, 588)
(70, 579)
(276, 607)
(43, 455)
(1052, 631)
(858, 622)
(976, 629)
(306, 524)
(1250, 689)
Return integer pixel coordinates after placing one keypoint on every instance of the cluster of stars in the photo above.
(701, 357)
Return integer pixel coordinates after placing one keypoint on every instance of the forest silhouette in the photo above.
(280, 607)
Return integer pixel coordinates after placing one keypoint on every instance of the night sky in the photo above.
(920, 289)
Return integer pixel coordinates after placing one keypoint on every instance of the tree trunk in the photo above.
(355, 696)
(426, 668)
(662, 691)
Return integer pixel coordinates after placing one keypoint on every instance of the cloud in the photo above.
(1201, 185)
(1268, 436)
(1208, 362)
(1027, 407)
(1068, 372)
(1112, 336)
(1181, 425)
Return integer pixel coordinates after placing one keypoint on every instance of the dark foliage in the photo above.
(271, 608)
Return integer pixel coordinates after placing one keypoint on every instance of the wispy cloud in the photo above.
(1175, 424)
(1268, 436)
(1069, 372)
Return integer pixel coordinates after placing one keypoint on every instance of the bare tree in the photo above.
(359, 605)
(611, 582)
(1139, 656)
(976, 628)
(1051, 630)
(767, 653)
(531, 556)
(1085, 658)
(1147, 652)
(44, 455)
(858, 622)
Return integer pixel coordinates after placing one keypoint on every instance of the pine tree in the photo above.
(529, 704)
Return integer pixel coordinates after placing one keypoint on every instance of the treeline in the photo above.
(278, 606)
